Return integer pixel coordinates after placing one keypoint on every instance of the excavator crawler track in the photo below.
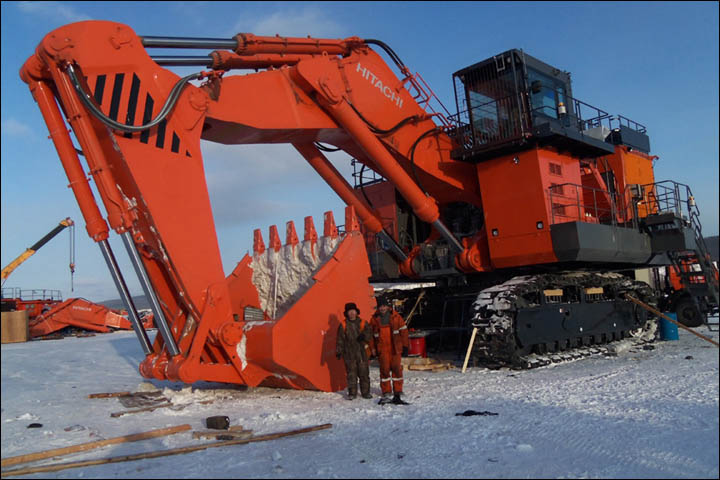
(574, 315)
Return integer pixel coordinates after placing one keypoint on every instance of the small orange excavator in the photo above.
(84, 314)
(527, 201)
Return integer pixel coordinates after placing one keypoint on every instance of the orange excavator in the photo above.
(526, 199)
(83, 314)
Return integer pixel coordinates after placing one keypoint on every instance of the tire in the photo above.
(688, 313)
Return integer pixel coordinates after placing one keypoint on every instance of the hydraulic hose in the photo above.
(378, 130)
(412, 157)
(393, 56)
(164, 112)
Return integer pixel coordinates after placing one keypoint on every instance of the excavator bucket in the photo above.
(299, 290)
(274, 320)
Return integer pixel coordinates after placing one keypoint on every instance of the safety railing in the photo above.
(31, 294)
(510, 118)
(573, 113)
(491, 123)
(364, 176)
(672, 197)
(428, 101)
(619, 120)
(570, 202)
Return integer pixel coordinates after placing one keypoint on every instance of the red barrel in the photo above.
(417, 346)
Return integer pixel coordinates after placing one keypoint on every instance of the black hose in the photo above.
(323, 148)
(362, 187)
(393, 56)
(412, 157)
(164, 112)
(380, 131)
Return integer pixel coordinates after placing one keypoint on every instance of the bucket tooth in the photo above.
(311, 235)
(352, 224)
(291, 237)
(275, 238)
(258, 243)
(330, 229)
(310, 232)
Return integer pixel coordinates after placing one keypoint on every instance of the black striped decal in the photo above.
(117, 91)
(132, 103)
(132, 108)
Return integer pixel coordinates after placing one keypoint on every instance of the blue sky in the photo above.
(654, 62)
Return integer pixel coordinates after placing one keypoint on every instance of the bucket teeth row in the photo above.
(283, 273)
(352, 224)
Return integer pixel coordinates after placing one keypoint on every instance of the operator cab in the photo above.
(513, 100)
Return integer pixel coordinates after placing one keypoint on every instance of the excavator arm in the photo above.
(139, 126)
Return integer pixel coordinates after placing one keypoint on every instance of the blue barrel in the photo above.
(668, 330)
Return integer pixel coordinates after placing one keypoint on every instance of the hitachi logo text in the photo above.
(377, 83)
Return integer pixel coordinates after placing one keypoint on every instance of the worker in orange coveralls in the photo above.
(390, 342)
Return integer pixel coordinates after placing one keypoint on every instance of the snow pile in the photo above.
(638, 414)
(282, 277)
(188, 395)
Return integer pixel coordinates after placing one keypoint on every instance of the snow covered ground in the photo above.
(642, 414)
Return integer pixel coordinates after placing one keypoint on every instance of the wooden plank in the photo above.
(140, 410)
(221, 433)
(433, 367)
(109, 394)
(656, 312)
(417, 302)
(31, 457)
(470, 345)
(161, 453)
(155, 407)
(421, 367)
(417, 360)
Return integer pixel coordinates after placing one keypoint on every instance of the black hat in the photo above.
(351, 306)
(382, 301)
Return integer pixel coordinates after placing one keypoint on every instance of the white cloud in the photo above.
(56, 10)
(16, 128)
(292, 23)
(248, 183)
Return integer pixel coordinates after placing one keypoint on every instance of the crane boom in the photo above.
(9, 268)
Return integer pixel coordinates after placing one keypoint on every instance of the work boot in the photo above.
(351, 395)
(366, 395)
(399, 401)
(386, 398)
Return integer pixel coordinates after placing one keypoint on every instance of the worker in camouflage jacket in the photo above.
(390, 341)
(352, 346)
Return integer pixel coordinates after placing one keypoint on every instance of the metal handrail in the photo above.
(615, 213)
(31, 294)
